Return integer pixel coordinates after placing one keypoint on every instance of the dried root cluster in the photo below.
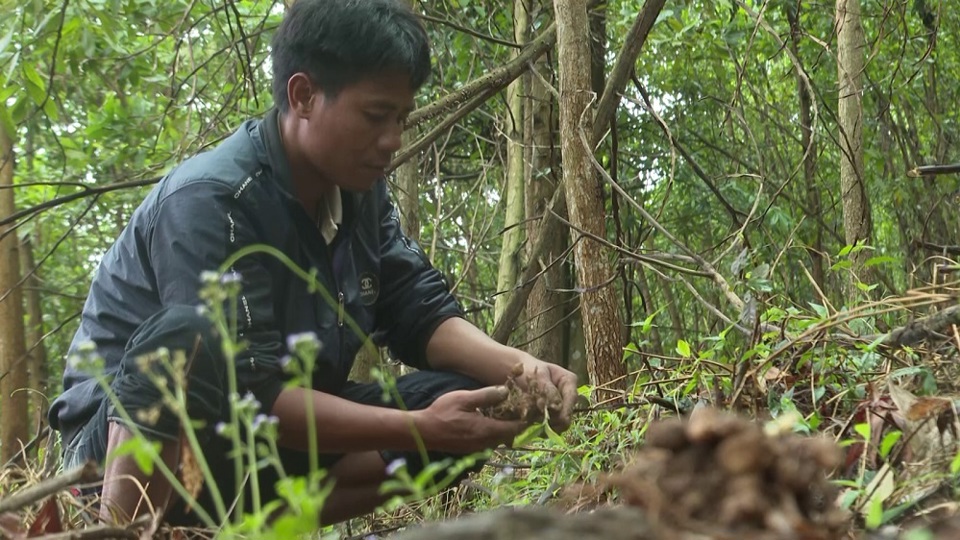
(716, 471)
(526, 400)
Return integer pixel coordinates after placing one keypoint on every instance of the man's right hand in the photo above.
(453, 422)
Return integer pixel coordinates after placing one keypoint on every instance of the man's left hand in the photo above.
(559, 386)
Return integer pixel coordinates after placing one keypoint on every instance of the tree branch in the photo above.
(549, 226)
(496, 80)
(87, 192)
(86, 473)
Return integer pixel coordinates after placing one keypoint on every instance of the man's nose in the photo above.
(391, 139)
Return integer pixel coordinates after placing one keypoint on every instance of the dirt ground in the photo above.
(711, 476)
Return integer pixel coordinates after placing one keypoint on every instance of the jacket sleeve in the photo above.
(414, 297)
(195, 229)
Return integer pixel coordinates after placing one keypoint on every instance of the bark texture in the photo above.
(13, 365)
(850, 64)
(547, 307)
(808, 145)
(598, 300)
(512, 240)
(38, 374)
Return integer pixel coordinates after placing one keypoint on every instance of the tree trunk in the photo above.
(548, 309)
(509, 269)
(850, 64)
(808, 145)
(38, 374)
(13, 367)
(601, 316)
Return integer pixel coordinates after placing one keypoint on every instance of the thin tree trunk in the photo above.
(13, 367)
(549, 311)
(850, 64)
(408, 198)
(38, 373)
(601, 316)
(512, 242)
(808, 144)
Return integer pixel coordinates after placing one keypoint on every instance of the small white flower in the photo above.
(295, 341)
(395, 466)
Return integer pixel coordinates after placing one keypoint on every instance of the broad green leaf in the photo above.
(553, 436)
(888, 441)
(683, 348)
(880, 259)
(863, 430)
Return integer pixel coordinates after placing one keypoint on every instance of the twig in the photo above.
(88, 472)
(87, 192)
(436, 132)
(925, 170)
(469, 31)
(22, 453)
(496, 80)
(102, 531)
(921, 329)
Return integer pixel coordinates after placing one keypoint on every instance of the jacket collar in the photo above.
(276, 157)
(268, 131)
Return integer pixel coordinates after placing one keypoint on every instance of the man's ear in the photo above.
(301, 94)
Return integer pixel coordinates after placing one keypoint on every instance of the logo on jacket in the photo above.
(369, 288)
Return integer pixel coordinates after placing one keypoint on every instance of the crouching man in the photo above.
(307, 180)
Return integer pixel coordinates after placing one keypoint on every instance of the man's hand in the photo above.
(559, 385)
(453, 422)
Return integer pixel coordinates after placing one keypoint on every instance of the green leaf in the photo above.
(821, 311)
(845, 251)
(955, 464)
(888, 441)
(5, 41)
(528, 435)
(880, 259)
(863, 430)
(864, 287)
(841, 265)
(35, 85)
(683, 348)
(553, 436)
(142, 450)
(874, 517)
(880, 489)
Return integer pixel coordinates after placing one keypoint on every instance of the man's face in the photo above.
(350, 139)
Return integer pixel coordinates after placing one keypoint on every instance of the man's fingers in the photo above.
(484, 397)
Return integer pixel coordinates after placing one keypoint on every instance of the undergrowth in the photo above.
(816, 371)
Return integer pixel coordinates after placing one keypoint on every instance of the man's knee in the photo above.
(175, 349)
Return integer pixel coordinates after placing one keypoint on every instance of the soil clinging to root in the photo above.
(716, 471)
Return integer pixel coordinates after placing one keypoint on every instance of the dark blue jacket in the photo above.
(240, 194)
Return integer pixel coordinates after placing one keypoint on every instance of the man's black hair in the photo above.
(339, 42)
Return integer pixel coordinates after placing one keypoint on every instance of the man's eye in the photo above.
(375, 117)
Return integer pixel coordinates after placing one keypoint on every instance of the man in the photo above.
(308, 180)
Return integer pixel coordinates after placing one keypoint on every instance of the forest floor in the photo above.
(831, 439)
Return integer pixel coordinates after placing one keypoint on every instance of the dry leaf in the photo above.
(48, 519)
(879, 489)
(921, 416)
(190, 473)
